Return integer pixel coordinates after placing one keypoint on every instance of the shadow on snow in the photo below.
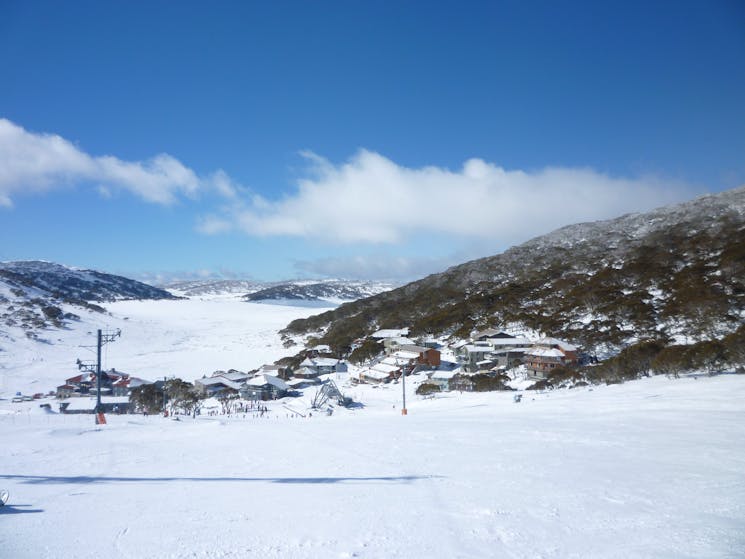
(18, 509)
(292, 480)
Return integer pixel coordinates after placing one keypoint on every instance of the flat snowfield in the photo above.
(652, 468)
(184, 338)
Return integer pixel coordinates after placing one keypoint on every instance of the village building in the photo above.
(490, 349)
(81, 384)
(395, 342)
(476, 356)
(385, 370)
(109, 404)
(318, 350)
(123, 385)
(316, 366)
(216, 386)
(390, 333)
(491, 334)
(65, 391)
(379, 373)
(442, 379)
(113, 383)
(300, 383)
(264, 387)
(278, 371)
(419, 356)
(547, 354)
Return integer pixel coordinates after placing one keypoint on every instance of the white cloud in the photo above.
(35, 163)
(377, 267)
(371, 199)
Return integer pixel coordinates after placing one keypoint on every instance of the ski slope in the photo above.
(651, 468)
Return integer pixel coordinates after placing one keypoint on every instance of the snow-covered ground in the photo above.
(183, 338)
(652, 468)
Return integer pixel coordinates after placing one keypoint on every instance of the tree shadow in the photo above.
(27, 479)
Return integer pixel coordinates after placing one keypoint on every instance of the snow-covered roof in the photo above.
(235, 376)
(211, 381)
(134, 382)
(509, 350)
(319, 362)
(491, 332)
(443, 375)
(416, 348)
(390, 333)
(263, 380)
(401, 340)
(83, 377)
(391, 360)
(509, 341)
(372, 373)
(545, 352)
(131, 382)
(404, 354)
(325, 361)
(385, 368)
(471, 348)
(292, 383)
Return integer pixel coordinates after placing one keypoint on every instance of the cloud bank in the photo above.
(371, 199)
(379, 266)
(35, 163)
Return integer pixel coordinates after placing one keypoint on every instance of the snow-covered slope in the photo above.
(676, 273)
(648, 469)
(336, 291)
(331, 290)
(213, 288)
(37, 297)
(187, 338)
(68, 283)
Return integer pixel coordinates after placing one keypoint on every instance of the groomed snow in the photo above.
(652, 468)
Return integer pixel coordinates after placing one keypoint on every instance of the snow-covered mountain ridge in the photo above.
(332, 290)
(36, 294)
(328, 290)
(212, 287)
(675, 273)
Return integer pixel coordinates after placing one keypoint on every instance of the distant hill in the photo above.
(212, 287)
(328, 290)
(331, 290)
(31, 292)
(675, 273)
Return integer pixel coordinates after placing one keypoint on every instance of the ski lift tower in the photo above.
(404, 411)
(103, 339)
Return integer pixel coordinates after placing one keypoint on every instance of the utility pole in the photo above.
(403, 387)
(103, 339)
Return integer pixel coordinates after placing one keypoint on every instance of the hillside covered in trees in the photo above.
(676, 274)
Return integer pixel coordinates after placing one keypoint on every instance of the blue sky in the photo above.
(356, 139)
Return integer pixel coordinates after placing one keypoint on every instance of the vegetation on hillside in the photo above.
(682, 281)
